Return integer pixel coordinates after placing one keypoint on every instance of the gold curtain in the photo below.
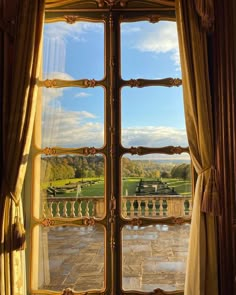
(201, 272)
(18, 111)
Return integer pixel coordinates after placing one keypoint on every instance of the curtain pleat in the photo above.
(18, 112)
(201, 273)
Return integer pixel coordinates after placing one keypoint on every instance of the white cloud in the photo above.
(70, 128)
(76, 129)
(127, 29)
(154, 136)
(161, 39)
(82, 94)
(52, 94)
(76, 31)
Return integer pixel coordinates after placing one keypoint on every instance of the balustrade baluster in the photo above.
(161, 207)
(79, 208)
(58, 209)
(145, 207)
(50, 209)
(94, 206)
(72, 209)
(139, 208)
(64, 214)
(132, 208)
(153, 209)
(87, 208)
(124, 207)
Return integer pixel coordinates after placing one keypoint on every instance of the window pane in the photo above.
(71, 186)
(156, 186)
(154, 257)
(149, 50)
(68, 257)
(68, 51)
(153, 116)
(72, 117)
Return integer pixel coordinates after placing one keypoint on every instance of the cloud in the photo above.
(70, 128)
(81, 128)
(127, 29)
(154, 136)
(161, 39)
(50, 95)
(76, 31)
(82, 94)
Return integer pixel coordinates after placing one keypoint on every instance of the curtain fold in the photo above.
(18, 112)
(201, 273)
(205, 9)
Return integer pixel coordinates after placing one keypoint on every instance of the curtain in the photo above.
(201, 272)
(18, 111)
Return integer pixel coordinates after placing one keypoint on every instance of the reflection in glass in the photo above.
(71, 186)
(154, 257)
(71, 117)
(156, 186)
(68, 50)
(68, 257)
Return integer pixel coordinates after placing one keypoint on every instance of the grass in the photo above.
(128, 186)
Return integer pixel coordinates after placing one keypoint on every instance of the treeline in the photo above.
(67, 167)
(181, 171)
(56, 168)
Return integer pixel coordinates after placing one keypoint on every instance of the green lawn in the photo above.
(128, 186)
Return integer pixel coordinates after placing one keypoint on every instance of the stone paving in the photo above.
(153, 257)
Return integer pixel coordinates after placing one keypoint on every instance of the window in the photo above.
(111, 179)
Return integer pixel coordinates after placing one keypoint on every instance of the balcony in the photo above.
(153, 256)
(142, 206)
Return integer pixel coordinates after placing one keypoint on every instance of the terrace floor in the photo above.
(153, 257)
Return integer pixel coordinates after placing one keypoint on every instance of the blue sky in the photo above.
(74, 117)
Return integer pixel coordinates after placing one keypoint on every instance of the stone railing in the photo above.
(142, 206)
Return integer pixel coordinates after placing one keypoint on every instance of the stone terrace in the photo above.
(153, 257)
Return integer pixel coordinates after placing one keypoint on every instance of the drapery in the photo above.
(18, 111)
(201, 272)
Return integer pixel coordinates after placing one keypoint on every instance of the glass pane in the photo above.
(154, 257)
(72, 117)
(149, 50)
(153, 117)
(156, 185)
(70, 186)
(68, 257)
(68, 50)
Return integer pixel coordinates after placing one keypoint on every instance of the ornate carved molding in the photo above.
(167, 82)
(111, 3)
(89, 221)
(154, 18)
(170, 150)
(71, 19)
(57, 83)
(49, 151)
(47, 222)
(89, 83)
(89, 151)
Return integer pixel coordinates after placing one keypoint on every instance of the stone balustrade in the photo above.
(142, 206)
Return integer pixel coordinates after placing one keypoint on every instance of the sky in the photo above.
(74, 117)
